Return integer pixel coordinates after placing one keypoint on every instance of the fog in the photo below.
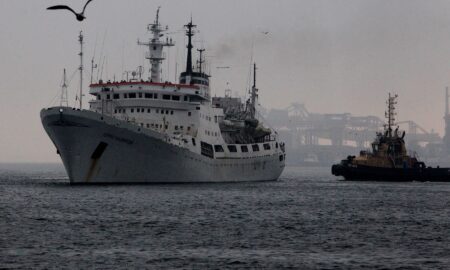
(334, 56)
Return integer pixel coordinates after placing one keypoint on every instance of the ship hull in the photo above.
(100, 149)
(369, 173)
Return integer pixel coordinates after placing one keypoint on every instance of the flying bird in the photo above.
(80, 16)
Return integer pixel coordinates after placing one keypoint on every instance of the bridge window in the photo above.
(266, 146)
(218, 148)
(108, 96)
(148, 110)
(132, 95)
(176, 98)
(166, 97)
(171, 112)
(232, 148)
(125, 95)
(155, 96)
(207, 149)
(244, 148)
(189, 113)
(140, 95)
(132, 110)
(185, 98)
(193, 142)
(148, 95)
(116, 96)
(255, 147)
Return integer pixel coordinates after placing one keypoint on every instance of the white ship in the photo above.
(160, 132)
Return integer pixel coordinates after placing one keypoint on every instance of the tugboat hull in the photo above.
(369, 173)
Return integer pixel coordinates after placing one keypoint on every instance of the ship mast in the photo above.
(390, 114)
(200, 61)
(64, 102)
(189, 34)
(80, 39)
(253, 95)
(156, 46)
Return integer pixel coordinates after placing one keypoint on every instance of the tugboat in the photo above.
(388, 160)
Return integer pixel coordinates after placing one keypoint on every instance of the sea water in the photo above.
(306, 220)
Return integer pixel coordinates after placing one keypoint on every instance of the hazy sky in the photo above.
(334, 56)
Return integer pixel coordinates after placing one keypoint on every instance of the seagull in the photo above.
(80, 16)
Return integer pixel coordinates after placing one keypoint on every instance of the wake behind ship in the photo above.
(152, 131)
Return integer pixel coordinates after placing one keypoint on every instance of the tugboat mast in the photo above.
(390, 114)
(156, 46)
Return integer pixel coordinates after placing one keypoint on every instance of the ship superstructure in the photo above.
(146, 130)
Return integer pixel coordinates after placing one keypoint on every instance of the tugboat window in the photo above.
(244, 148)
(232, 148)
